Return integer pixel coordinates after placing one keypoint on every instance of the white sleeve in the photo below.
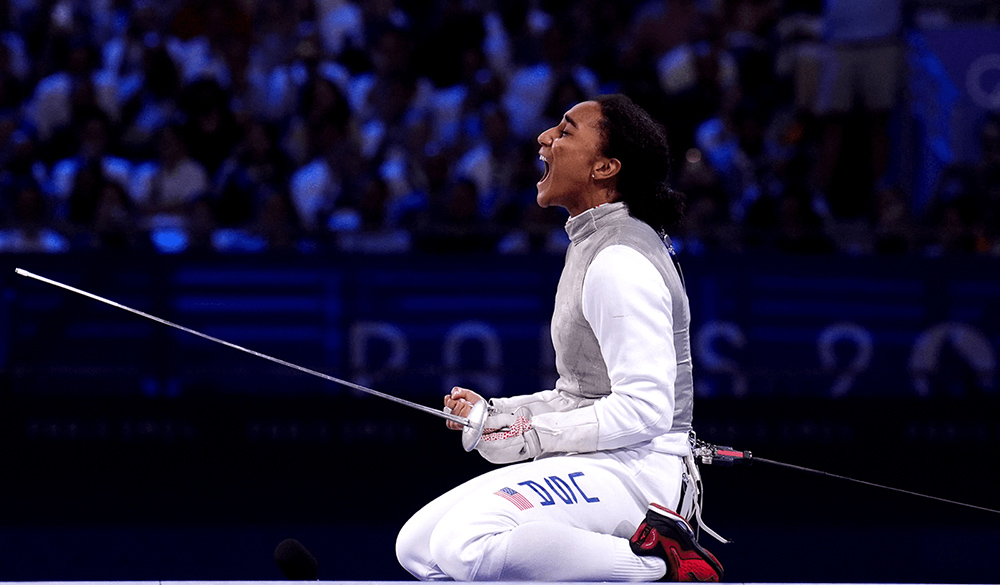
(629, 308)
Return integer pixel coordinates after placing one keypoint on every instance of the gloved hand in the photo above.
(459, 401)
(509, 437)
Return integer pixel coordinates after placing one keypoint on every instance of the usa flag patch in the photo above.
(515, 498)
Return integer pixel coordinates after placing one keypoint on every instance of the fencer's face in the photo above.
(570, 154)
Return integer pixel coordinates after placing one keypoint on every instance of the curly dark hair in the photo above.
(630, 135)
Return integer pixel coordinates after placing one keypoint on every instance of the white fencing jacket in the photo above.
(620, 330)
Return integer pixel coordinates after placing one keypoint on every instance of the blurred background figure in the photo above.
(860, 81)
(166, 190)
(26, 228)
(317, 99)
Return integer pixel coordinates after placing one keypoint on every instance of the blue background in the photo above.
(134, 451)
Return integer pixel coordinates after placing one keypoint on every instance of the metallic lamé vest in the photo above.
(579, 363)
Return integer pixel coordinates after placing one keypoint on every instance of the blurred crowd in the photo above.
(383, 126)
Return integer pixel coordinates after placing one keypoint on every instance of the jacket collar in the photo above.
(583, 225)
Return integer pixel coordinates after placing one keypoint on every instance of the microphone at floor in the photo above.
(295, 561)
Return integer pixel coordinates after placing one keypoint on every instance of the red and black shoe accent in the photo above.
(667, 535)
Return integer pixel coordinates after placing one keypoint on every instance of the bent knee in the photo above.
(452, 556)
(469, 557)
(412, 551)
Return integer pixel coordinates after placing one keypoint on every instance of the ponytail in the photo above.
(630, 135)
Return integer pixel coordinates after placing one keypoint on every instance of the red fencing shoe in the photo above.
(667, 535)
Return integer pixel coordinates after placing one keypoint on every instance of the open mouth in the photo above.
(545, 168)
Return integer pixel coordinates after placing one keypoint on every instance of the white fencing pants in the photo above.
(564, 518)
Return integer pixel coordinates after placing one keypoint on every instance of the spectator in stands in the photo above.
(452, 75)
(199, 233)
(257, 167)
(8, 131)
(28, 227)
(654, 28)
(115, 224)
(341, 25)
(327, 182)
(19, 162)
(862, 66)
(202, 37)
(277, 54)
(381, 98)
(697, 77)
(707, 224)
(534, 80)
(150, 101)
(210, 130)
(534, 229)
(92, 133)
(277, 222)
(407, 93)
(73, 89)
(660, 25)
(403, 167)
(796, 59)
(375, 233)
(11, 81)
(165, 189)
(491, 163)
(453, 223)
(321, 103)
(748, 33)
(81, 205)
(733, 145)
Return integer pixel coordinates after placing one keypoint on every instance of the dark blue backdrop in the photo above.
(133, 451)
